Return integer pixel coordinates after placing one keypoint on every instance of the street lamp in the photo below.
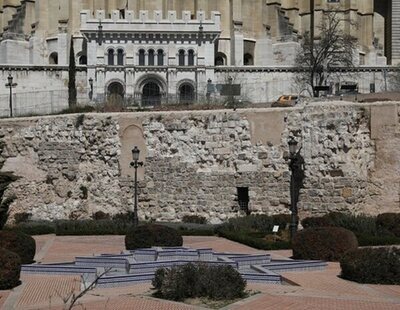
(91, 88)
(294, 167)
(10, 84)
(136, 164)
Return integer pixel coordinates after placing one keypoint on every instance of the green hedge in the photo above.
(260, 223)
(389, 223)
(369, 230)
(324, 243)
(91, 227)
(10, 269)
(372, 265)
(19, 243)
(34, 228)
(149, 235)
(250, 240)
(199, 280)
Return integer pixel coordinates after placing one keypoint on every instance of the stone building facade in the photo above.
(251, 42)
(204, 162)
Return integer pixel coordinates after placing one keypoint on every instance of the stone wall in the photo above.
(73, 166)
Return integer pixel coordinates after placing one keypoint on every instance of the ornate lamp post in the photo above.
(10, 84)
(136, 164)
(91, 89)
(294, 166)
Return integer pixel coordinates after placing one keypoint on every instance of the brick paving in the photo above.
(3, 297)
(314, 290)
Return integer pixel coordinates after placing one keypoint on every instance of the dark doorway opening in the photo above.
(151, 95)
(116, 93)
(243, 199)
(186, 94)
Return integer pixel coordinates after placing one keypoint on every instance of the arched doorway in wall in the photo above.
(115, 94)
(151, 94)
(186, 94)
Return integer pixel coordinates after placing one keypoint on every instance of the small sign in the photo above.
(275, 229)
(230, 90)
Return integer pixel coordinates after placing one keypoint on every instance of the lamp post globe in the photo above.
(10, 79)
(292, 146)
(135, 153)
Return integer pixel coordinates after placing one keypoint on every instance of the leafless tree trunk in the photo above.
(316, 56)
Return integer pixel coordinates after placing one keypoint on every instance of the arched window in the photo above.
(160, 57)
(111, 57)
(191, 58)
(53, 58)
(141, 58)
(151, 57)
(220, 59)
(181, 58)
(248, 60)
(83, 60)
(120, 57)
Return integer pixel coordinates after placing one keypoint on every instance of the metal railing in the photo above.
(39, 102)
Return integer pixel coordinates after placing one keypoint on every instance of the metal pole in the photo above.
(293, 206)
(135, 216)
(11, 106)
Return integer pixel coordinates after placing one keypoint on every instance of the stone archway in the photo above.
(115, 93)
(151, 94)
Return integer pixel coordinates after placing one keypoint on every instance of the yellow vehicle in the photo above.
(286, 101)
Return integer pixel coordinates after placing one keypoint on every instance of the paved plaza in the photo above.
(309, 289)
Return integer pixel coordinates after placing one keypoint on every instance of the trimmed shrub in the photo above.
(91, 227)
(34, 228)
(321, 221)
(199, 280)
(259, 222)
(254, 242)
(372, 265)
(195, 219)
(19, 243)
(192, 229)
(389, 223)
(100, 215)
(10, 269)
(325, 243)
(149, 235)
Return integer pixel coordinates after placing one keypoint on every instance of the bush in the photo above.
(196, 219)
(10, 269)
(34, 228)
(252, 241)
(389, 223)
(100, 215)
(149, 235)
(78, 109)
(192, 229)
(372, 265)
(91, 227)
(199, 280)
(325, 243)
(19, 243)
(259, 222)
(311, 222)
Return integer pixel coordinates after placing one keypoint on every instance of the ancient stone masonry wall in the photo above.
(62, 161)
(194, 162)
(338, 153)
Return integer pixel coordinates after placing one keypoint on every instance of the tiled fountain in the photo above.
(138, 266)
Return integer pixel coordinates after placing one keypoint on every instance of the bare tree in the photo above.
(71, 299)
(316, 56)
